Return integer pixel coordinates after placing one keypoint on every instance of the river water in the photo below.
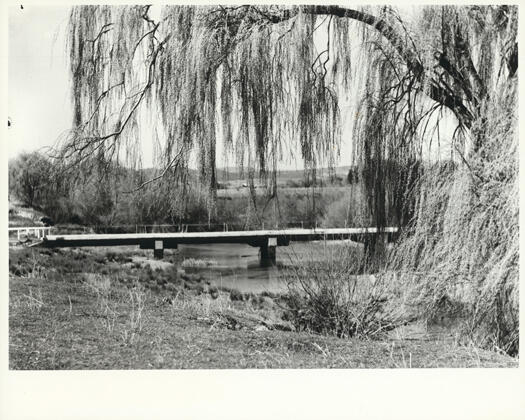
(238, 266)
(235, 266)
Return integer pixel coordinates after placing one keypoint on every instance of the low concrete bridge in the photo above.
(266, 240)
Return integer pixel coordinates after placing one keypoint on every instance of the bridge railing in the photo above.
(189, 227)
(28, 231)
(200, 227)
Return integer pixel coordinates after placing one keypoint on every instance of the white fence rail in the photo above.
(37, 231)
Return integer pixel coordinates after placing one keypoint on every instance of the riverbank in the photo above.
(100, 309)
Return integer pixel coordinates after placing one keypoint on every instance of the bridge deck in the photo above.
(254, 237)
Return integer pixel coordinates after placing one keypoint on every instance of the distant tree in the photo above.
(30, 178)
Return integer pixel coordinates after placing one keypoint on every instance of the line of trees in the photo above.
(87, 199)
(36, 181)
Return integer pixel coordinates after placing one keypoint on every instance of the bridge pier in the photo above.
(158, 246)
(158, 251)
(267, 252)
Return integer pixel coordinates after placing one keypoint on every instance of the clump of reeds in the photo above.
(137, 297)
(460, 253)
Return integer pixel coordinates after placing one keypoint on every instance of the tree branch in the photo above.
(106, 28)
(99, 140)
(175, 161)
(436, 93)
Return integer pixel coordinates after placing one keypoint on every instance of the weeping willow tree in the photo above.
(267, 80)
(263, 78)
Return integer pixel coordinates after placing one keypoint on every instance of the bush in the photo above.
(29, 178)
(328, 297)
(236, 295)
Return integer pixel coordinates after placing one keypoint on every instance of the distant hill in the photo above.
(233, 174)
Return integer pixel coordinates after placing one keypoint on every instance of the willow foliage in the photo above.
(264, 78)
(461, 252)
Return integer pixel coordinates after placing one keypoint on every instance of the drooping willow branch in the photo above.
(252, 77)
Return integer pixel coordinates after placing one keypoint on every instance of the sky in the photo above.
(39, 104)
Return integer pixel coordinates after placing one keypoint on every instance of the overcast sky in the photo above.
(38, 82)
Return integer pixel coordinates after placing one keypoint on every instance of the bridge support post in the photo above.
(267, 252)
(158, 251)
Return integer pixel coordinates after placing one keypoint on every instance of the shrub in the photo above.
(328, 297)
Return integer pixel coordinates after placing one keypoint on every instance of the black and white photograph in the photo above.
(262, 186)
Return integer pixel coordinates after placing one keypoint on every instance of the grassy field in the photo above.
(100, 309)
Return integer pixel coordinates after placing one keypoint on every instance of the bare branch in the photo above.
(173, 163)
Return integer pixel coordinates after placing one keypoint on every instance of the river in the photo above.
(238, 266)
(234, 266)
